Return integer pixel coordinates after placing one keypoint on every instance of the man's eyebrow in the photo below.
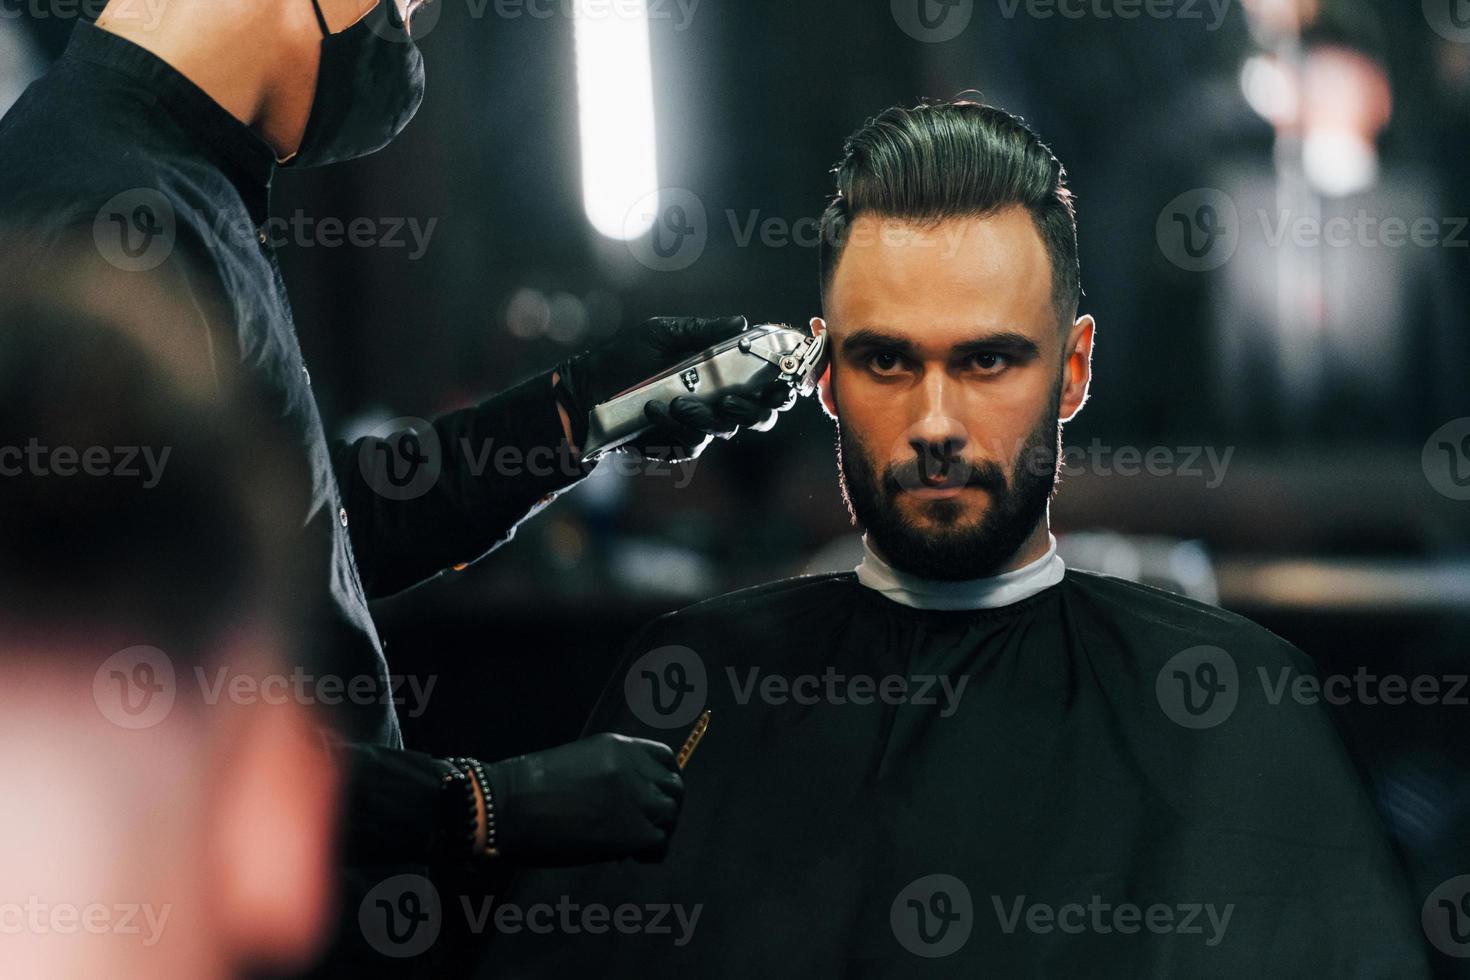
(870, 339)
(1010, 342)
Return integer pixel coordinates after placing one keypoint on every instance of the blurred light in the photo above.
(1335, 584)
(568, 323)
(654, 568)
(1190, 565)
(1121, 558)
(615, 105)
(1182, 567)
(1339, 163)
(1268, 90)
(1347, 103)
(528, 314)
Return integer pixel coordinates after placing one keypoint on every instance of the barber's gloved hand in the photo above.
(684, 426)
(600, 799)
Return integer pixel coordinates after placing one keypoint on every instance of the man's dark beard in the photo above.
(954, 551)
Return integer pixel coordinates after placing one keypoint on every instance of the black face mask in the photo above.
(369, 86)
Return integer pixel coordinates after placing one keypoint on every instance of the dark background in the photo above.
(1327, 527)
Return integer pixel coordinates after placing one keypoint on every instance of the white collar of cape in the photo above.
(979, 593)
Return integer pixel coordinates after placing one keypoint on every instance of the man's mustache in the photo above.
(944, 471)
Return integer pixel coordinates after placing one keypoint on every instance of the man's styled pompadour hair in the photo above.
(954, 159)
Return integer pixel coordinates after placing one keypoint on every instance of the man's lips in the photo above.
(950, 478)
(937, 487)
(949, 474)
(946, 492)
(938, 479)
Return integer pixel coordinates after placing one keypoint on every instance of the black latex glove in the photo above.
(684, 426)
(600, 799)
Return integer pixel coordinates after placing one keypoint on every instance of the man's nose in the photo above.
(937, 427)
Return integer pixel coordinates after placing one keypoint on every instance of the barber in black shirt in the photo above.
(152, 142)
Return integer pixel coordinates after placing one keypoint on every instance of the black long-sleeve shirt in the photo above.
(115, 147)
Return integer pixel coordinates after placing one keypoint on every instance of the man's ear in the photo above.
(825, 394)
(273, 835)
(1077, 369)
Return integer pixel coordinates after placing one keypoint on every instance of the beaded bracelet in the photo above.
(477, 773)
(456, 774)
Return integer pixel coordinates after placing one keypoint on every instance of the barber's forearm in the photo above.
(417, 509)
(395, 807)
(407, 807)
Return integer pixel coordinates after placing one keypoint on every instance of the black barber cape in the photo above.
(1092, 781)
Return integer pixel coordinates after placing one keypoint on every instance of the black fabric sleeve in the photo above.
(453, 495)
(393, 808)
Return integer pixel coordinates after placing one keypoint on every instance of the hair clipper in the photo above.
(742, 365)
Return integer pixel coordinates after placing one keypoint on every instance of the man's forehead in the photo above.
(945, 281)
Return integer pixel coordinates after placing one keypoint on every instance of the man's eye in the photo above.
(885, 362)
(988, 363)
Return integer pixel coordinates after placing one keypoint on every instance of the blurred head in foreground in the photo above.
(168, 808)
(950, 289)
